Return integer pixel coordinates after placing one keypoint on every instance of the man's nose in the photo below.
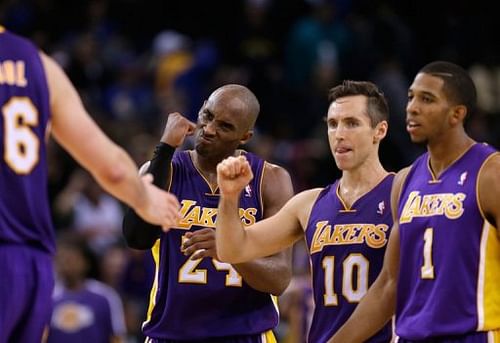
(209, 128)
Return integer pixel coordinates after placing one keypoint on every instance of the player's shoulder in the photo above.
(275, 169)
(273, 173)
(401, 176)
(490, 170)
(307, 197)
(397, 185)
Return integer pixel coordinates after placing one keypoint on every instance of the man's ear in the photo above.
(380, 131)
(458, 114)
(246, 136)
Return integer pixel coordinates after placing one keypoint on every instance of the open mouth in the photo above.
(412, 125)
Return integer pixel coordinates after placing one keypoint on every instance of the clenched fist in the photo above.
(233, 174)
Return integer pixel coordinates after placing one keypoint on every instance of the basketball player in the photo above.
(195, 297)
(33, 91)
(346, 225)
(442, 267)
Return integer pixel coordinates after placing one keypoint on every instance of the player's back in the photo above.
(24, 115)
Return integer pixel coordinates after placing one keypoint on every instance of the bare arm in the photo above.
(236, 244)
(271, 274)
(115, 171)
(379, 304)
(489, 190)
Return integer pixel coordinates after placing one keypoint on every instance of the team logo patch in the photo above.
(381, 207)
(462, 179)
(248, 191)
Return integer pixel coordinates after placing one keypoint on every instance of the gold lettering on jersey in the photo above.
(375, 236)
(206, 216)
(447, 204)
(13, 73)
(248, 215)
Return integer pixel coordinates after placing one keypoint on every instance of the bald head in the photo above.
(238, 99)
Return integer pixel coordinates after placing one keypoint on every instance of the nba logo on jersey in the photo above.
(248, 191)
(463, 176)
(381, 208)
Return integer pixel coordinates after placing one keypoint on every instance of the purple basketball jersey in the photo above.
(24, 113)
(450, 265)
(204, 298)
(347, 247)
(26, 233)
(93, 313)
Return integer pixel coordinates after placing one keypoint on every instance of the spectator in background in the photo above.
(85, 310)
(92, 213)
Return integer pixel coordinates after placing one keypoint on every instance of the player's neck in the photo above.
(207, 166)
(443, 153)
(357, 182)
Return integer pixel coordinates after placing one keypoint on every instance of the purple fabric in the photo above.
(350, 245)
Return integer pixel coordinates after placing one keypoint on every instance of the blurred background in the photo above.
(135, 61)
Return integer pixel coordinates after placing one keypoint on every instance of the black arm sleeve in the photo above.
(138, 233)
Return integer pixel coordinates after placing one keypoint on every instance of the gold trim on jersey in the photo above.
(436, 179)
(268, 337)
(212, 190)
(274, 299)
(494, 336)
(155, 252)
(488, 297)
(261, 182)
(349, 209)
(477, 182)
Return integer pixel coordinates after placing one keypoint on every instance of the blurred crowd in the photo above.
(134, 62)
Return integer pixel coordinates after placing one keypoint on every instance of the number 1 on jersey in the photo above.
(427, 270)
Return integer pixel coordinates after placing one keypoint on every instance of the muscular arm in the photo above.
(110, 165)
(236, 244)
(271, 274)
(379, 304)
(489, 190)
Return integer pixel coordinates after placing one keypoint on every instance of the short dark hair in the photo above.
(458, 85)
(377, 107)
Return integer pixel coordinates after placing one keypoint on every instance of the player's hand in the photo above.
(159, 207)
(233, 174)
(176, 129)
(199, 244)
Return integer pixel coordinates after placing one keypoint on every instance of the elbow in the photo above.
(223, 256)
(113, 175)
(115, 171)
